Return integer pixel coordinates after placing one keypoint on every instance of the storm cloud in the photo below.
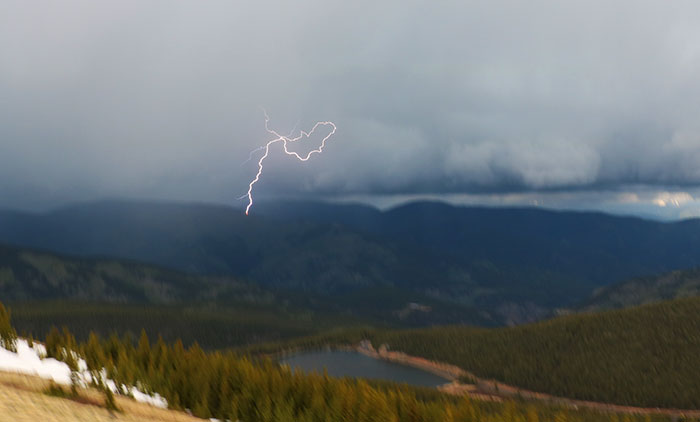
(162, 99)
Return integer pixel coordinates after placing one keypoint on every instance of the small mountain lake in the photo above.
(353, 364)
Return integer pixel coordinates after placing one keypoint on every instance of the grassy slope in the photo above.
(22, 399)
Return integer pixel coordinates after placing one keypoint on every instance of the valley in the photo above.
(589, 358)
(378, 211)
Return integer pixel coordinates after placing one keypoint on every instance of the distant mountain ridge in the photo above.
(32, 275)
(527, 235)
(518, 263)
(45, 280)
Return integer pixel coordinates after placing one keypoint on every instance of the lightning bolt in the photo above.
(250, 156)
(285, 142)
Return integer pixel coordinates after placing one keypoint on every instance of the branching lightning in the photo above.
(250, 156)
(285, 142)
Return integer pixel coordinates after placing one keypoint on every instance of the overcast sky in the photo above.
(565, 104)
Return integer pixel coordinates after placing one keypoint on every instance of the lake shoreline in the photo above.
(350, 362)
(492, 390)
(444, 370)
(451, 373)
(483, 389)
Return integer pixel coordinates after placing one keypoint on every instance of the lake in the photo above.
(353, 364)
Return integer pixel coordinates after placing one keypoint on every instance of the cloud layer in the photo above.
(161, 99)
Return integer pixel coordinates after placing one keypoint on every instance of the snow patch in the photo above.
(155, 400)
(28, 360)
(31, 361)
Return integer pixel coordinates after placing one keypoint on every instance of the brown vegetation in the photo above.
(22, 398)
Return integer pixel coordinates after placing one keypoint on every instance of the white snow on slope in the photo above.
(28, 360)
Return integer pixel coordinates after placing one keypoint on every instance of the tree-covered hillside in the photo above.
(646, 356)
(225, 385)
(211, 326)
(106, 295)
(27, 275)
(594, 247)
(642, 290)
(516, 264)
(643, 356)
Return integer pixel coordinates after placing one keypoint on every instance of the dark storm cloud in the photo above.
(161, 99)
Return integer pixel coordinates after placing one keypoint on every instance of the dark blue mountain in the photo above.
(517, 262)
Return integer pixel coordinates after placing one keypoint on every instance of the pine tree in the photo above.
(531, 415)
(94, 358)
(8, 335)
(110, 403)
(70, 359)
(560, 417)
(144, 351)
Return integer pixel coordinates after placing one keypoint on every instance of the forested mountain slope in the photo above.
(34, 275)
(516, 264)
(645, 356)
(642, 290)
(642, 356)
(106, 295)
(225, 385)
(596, 247)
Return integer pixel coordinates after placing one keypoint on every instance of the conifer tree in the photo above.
(94, 358)
(8, 335)
(110, 403)
(226, 386)
(531, 415)
(560, 417)
(144, 350)
(70, 359)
